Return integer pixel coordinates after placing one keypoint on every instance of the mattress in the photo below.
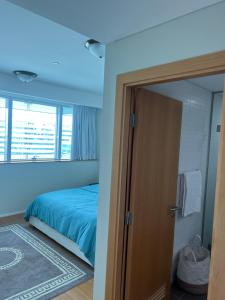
(72, 213)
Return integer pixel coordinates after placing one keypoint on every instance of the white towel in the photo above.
(192, 193)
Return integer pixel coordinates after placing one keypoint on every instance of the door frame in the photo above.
(204, 65)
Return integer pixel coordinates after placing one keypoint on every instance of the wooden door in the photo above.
(153, 185)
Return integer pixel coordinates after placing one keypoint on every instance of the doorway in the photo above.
(202, 106)
(181, 70)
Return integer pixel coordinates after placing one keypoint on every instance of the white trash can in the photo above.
(193, 268)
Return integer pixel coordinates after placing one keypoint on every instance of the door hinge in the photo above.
(218, 128)
(128, 218)
(133, 120)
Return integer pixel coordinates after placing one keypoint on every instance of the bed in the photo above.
(69, 217)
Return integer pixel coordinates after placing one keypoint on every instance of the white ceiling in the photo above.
(213, 83)
(109, 20)
(31, 42)
(36, 33)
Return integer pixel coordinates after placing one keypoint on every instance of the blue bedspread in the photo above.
(72, 212)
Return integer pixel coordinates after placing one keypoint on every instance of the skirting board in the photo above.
(59, 238)
(12, 214)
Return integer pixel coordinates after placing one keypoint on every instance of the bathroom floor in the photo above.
(178, 294)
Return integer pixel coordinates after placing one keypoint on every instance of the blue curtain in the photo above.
(84, 140)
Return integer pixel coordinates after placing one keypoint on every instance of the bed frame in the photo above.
(59, 238)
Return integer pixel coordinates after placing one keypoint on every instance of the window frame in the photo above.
(58, 134)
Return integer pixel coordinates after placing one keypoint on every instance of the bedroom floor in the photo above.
(81, 292)
(85, 291)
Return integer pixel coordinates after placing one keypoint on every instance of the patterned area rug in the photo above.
(32, 266)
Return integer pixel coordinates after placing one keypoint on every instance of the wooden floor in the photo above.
(81, 292)
(16, 219)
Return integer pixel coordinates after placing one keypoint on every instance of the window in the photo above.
(67, 124)
(3, 128)
(41, 131)
(35, 131)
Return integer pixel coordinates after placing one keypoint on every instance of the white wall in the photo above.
(194, 146)
(48, 91)
(213, 158)
(195, 34)
(21, 182)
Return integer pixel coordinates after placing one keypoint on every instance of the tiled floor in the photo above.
(178, 294)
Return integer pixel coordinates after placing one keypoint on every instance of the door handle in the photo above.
(173, 210)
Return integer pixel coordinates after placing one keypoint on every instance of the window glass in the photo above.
(3, 128)
(67, 124)
(33, 131)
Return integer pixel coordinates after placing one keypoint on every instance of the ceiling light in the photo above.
(25, 76)
(95, 48)
(56, 62)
